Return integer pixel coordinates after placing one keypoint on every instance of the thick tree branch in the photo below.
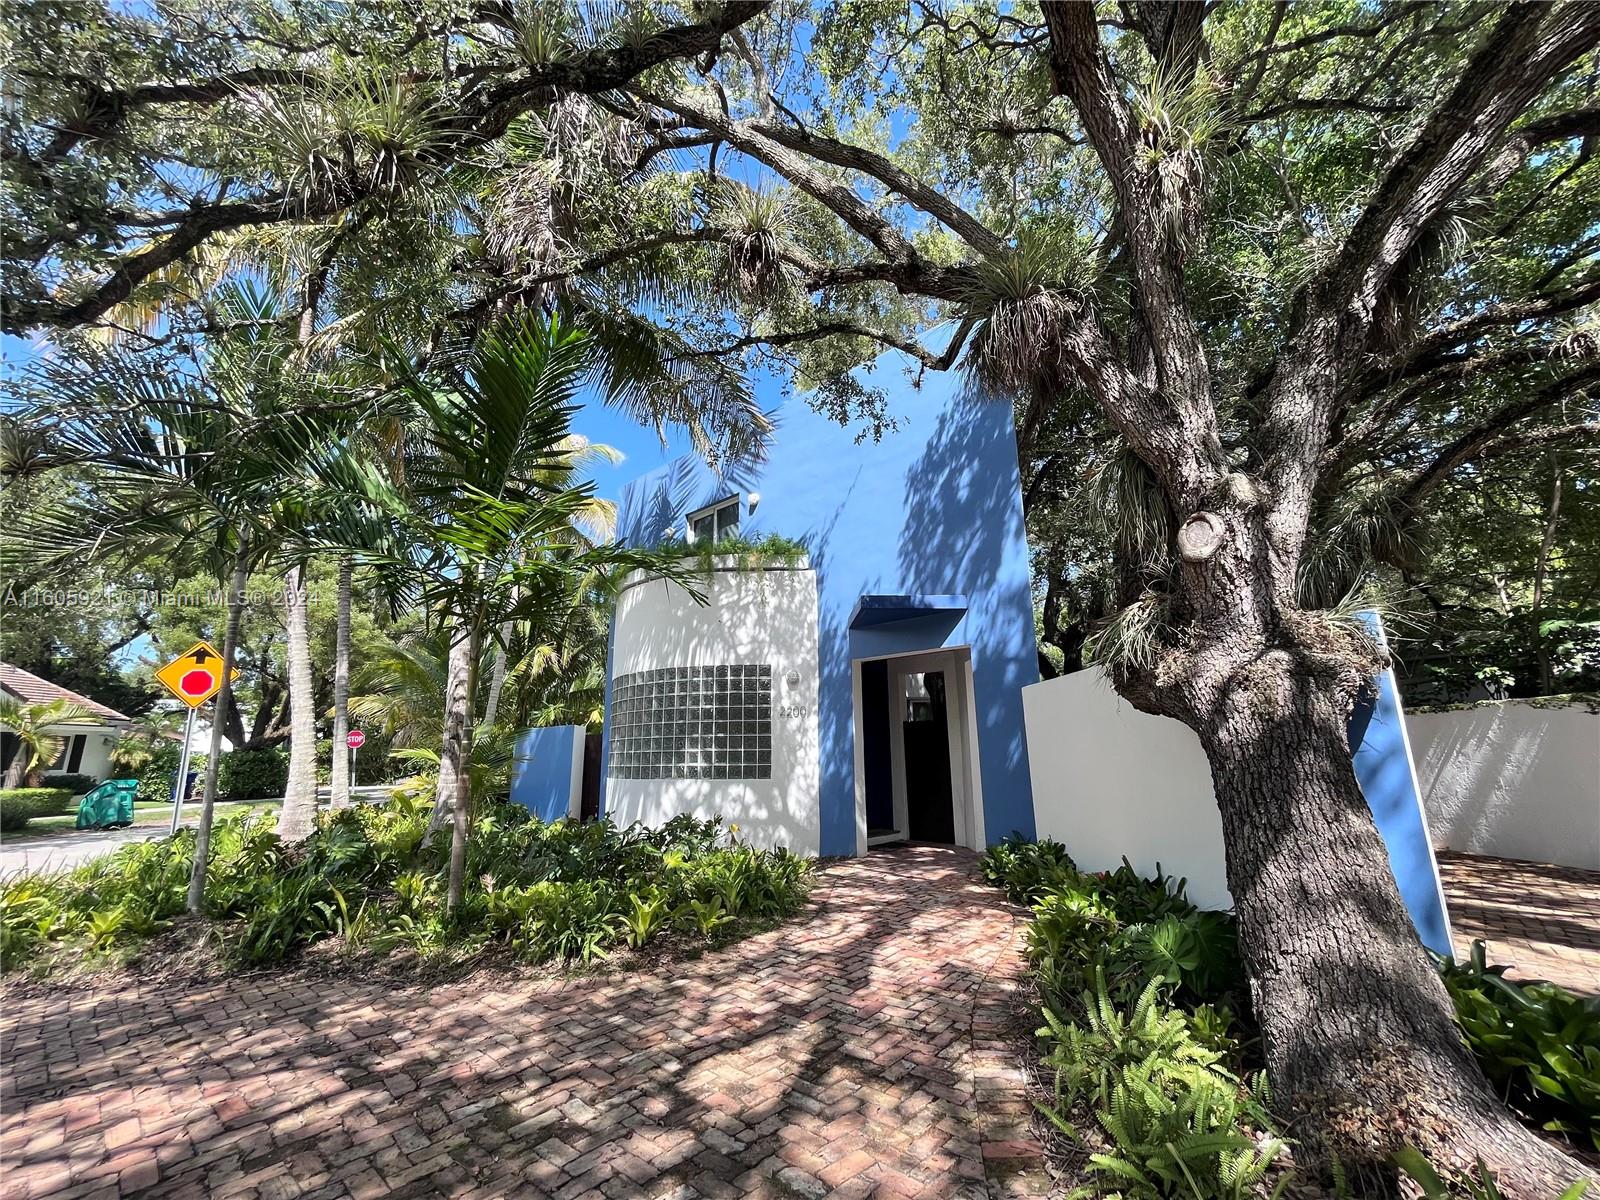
(787, 149)
(1473, 441)
(1432, 348)
(1527, 47)
(600, 69)
(1181, 403)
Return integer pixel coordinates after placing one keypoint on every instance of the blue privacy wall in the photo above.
(546, 773)
(1382, 759)
(934, 509)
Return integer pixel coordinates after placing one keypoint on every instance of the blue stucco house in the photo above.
(870, 691)
(873, 690)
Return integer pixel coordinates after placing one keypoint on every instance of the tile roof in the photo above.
(30, 689)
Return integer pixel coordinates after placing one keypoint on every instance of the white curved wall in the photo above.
(750, 616)
(1513, 779)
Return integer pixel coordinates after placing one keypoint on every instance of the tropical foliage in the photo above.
(1538, 1043)
(1149, 1034)
(371, 883)
(30, 724)
(1294, 303)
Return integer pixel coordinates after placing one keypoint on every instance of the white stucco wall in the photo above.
(1109, 780)
(755, 616)
(98, 741)
(1513, 779)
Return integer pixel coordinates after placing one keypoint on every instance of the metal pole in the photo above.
(352, 768)
(181, 784)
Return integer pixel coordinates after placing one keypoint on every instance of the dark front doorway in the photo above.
(930, 808)
(875, 752)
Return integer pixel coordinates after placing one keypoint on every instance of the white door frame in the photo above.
(966, 779)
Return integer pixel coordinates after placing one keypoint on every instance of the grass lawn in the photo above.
(145, 812)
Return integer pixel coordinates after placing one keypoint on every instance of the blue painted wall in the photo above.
(542, 770)
(933, 508)
(1383, 766)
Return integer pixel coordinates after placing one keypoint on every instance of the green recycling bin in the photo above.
(109, 805)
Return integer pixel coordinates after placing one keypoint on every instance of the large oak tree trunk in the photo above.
(1360, 1038)
(299, 815)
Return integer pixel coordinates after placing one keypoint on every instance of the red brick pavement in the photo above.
(1542, 921)
(860, 1051)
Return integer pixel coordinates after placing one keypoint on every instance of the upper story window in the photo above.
(715, 521)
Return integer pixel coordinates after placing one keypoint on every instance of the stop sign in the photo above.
(355, 739)
(198, 682)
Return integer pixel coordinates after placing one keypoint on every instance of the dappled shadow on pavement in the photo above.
(832, 1056)
(1541, 920)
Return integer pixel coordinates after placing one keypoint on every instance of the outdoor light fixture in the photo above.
(792, 678)
(753, 499)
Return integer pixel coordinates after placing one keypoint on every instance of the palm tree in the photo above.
(36, 747)
(400, 688)
(339, 776)
(490, 501)
(185, 458)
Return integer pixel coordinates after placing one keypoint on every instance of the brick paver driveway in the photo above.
(856, 1052)
(1542, 921)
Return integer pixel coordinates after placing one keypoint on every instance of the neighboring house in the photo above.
(863, 694)
(86, 744)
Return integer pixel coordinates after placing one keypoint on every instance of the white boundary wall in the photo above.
(1514, 779)
(751, 616)
(1109, 780)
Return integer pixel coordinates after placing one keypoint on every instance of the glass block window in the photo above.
(692, 723)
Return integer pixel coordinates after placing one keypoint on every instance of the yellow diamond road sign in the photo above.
(195, 675)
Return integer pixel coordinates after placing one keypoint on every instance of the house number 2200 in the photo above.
(792, 710)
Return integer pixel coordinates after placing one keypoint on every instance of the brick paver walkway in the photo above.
(856, 1052)
(1542, 921)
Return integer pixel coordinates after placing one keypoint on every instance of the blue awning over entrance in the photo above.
(872, 611)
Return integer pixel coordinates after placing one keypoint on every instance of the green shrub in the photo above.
(370, 877)
(20, 805)
(1158, 984)
(253, 774)
(1538, 1043)
(1024, 868)
(1183, 1131)
(160, 768)
(77, 784)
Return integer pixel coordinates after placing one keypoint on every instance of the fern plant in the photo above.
(1178, 1130)
(1087, 1058)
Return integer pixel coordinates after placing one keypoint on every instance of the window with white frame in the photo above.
(715, 521)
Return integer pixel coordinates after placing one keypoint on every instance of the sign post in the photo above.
(180, 786)
(355, 739)
(193, 677)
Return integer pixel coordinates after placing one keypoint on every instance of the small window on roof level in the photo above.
(715, 521)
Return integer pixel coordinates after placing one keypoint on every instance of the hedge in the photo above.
(253, 774)
(77, 784)
(19, 805)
